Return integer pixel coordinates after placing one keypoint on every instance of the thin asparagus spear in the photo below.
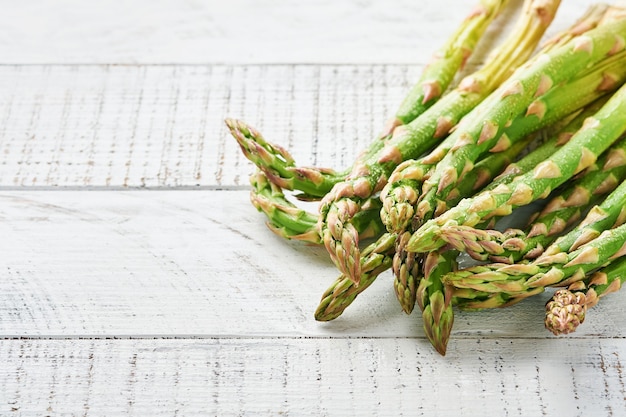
(376, 259)
(445, 63)
(343, 201)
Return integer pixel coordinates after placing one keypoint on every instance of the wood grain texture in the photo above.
(199, 263)
(162, 126)
(240, 31)
(304, 376)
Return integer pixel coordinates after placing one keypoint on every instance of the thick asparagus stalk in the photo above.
(281, 169)
(561, 212)
(343, 201)
(608, 214)
(567, 308)
(596, 135)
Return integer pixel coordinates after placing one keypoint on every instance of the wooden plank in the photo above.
(84, 263)
(167, 31)
(162, 126)
(324, 377)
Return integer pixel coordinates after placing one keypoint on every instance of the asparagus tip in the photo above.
(565, 312)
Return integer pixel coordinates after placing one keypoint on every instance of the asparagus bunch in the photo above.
(343, 202)
(469, 141)
(482, 174)
(559, 102)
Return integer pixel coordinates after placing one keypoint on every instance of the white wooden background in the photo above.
(137, 279)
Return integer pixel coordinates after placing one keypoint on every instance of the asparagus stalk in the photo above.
(376, 259)
(567, 308)
(343, 201)
(561, 212)
(608, 214)
(596, 135)
(292, 222)
(435, 301)
(280, 167)
(445, 63)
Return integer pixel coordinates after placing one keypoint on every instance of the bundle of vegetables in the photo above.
(448, 165)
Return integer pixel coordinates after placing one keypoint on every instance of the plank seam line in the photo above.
(28, 188)
(279, 337)
(210, 64)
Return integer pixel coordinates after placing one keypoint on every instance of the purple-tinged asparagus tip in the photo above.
(565, 312)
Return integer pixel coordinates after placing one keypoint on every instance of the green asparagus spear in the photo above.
(292, 222)
(435, 301)
(376, 259)
(445, 63)
(608, 214)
